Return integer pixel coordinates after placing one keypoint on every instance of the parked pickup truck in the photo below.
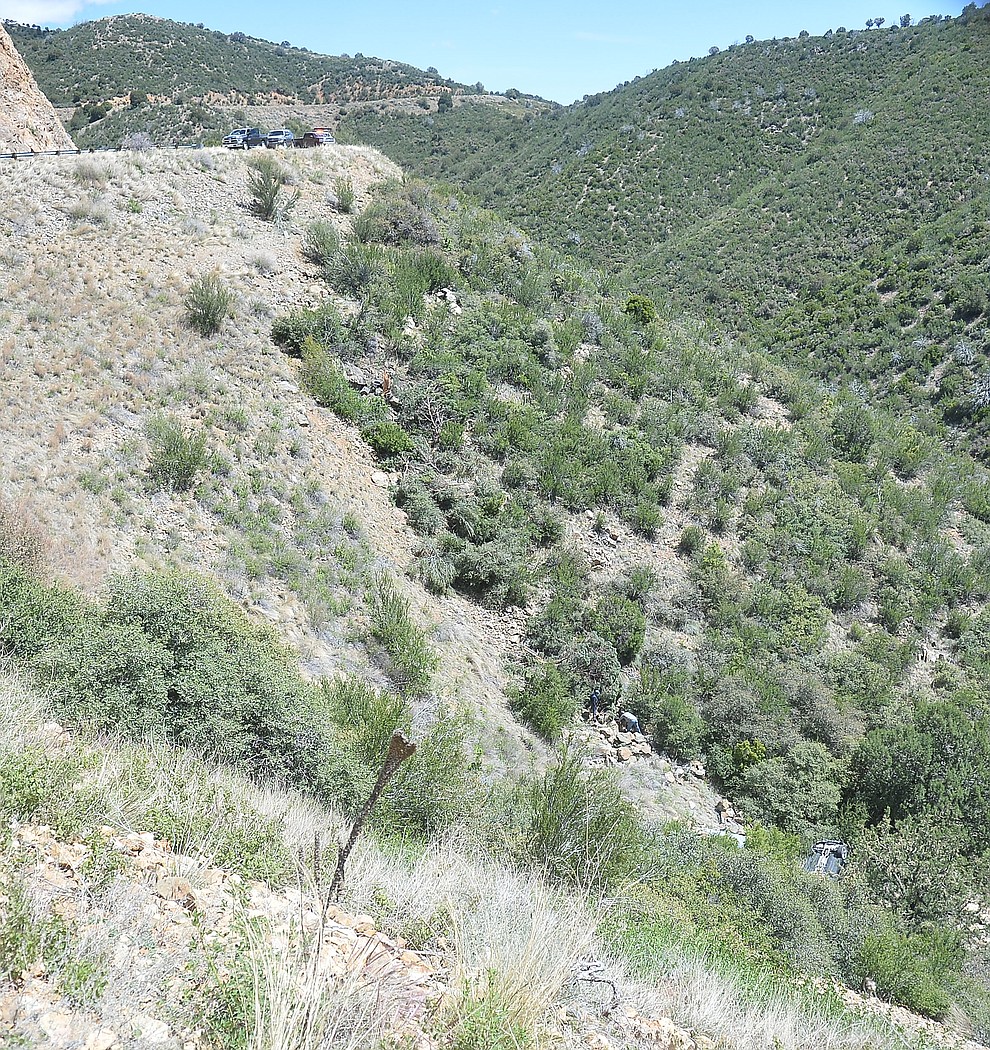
(244, 138)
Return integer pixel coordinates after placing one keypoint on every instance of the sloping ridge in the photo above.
(27, 118)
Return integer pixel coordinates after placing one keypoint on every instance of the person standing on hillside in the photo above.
(591, 704)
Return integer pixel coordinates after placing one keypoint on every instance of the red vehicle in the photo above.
(316, 137)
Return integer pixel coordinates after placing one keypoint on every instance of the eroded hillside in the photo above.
(28, 122)
(101, 252)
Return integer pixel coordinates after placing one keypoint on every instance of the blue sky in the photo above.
(561, 51)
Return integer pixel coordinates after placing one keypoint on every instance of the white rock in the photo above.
(57, 1026)
(151, 1029)
(379, 478)
(54, 735)
(101, 1039)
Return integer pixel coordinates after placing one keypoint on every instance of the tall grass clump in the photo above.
(410, 658)
(21, 540)
(266, 182)
(343, 195)
(355, 267)
(176, 455)
(321, 243)
(576, 827)
(209, 302)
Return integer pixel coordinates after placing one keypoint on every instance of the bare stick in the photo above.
(399, 749)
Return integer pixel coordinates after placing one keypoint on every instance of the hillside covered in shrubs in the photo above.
(802, 596)
(179, 82)
(825, 198)
(783, 577)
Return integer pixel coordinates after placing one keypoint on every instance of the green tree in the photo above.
(937, 765)
(798, 791)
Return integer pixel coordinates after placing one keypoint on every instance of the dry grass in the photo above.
(21, 539)
(498, 931)
(297, 1005)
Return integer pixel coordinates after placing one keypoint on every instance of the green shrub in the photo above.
(209, 302)
(640, 583)
(420, 507)
(411, 660)
(176, 456)
(911, 970)
(797, 792)
(640, 309)
(620, 621)
(31, 783)
(34, 613)
(589, 662)
(396, 221)
(434, 566)
(676, 726)
(435, 789)
(22, 936)
(387, 438)
(323, 326)
(692, 539)
(323, 377)
(495, 571)
(545, 701)
(366, 716)
(429, 792)
(228, 688)
(485, 1014)
(854, 432)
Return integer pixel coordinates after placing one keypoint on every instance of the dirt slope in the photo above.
(27, 119)
(99, 255)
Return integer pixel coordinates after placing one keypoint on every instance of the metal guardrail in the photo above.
(27, 154)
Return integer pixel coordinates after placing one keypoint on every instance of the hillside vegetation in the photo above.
(784, 581)
(824, 197)
(180, 82)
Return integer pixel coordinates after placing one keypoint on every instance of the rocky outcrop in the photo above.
(27, 118)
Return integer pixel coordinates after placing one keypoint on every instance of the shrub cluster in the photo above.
(209, 302)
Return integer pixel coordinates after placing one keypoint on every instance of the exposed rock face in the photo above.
(27, 119)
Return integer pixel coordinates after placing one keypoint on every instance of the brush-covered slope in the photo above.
(825, 196)
(224, 372)
(111, 57)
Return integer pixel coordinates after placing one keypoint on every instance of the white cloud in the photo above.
(43, 12)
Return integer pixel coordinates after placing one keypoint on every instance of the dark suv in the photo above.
(244, 138)
(316, 137)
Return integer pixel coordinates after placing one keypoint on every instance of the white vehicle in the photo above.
(279, 137)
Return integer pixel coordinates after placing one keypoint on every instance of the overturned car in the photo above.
(827, 858)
